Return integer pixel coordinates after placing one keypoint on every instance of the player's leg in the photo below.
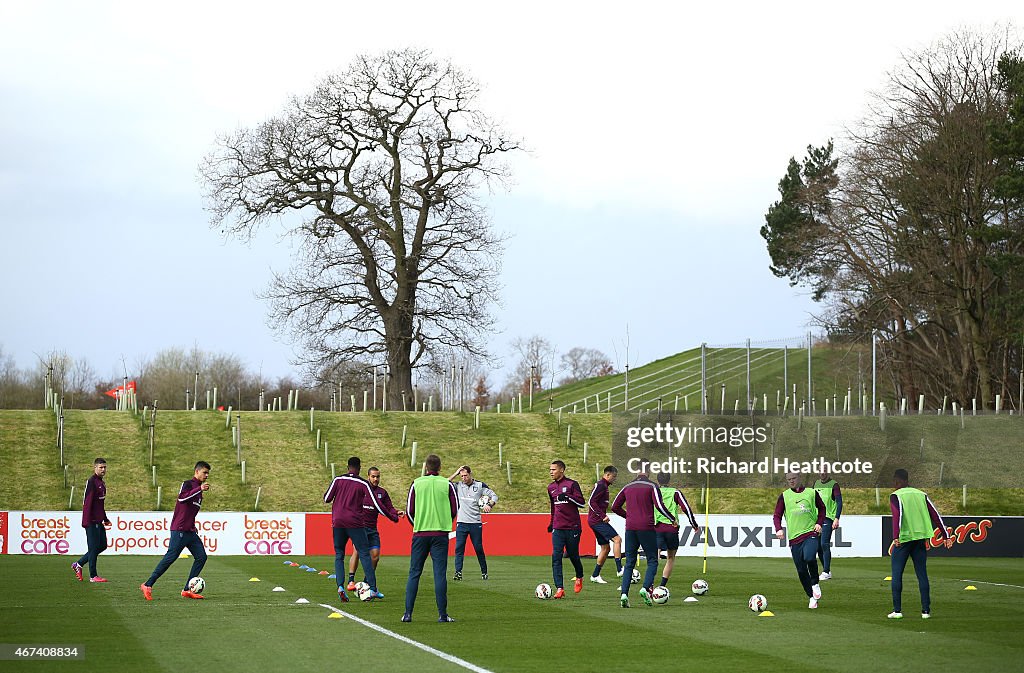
(649, 542)
(362, 546)
(198, 551)
(418, 553)
(439, 557)
(899, 563)
(617, 553)
(340, 540)
(632, 545)
(670, 563)
(461, 533)
(825, 549)
(572, 548)
(919, 555)
(373, 542)
(175, 545)
(602, 555)
(558, 539)
(809, 548)
(95, 537)
(353, 565)
(797, 552)
(476, 535)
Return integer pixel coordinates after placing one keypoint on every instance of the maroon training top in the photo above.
(93, 509)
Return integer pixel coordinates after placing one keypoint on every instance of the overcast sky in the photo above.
(657, 133)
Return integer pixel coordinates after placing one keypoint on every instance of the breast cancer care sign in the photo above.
(225, 533)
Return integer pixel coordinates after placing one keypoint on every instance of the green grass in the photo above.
(284, 464)
(243, 626)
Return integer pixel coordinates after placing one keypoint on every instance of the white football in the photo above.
(484, 501)
(660, 595)
(196, 585)
(636, 577)
(366, 593)
(360, 586)
(699, 587)
(543, 591)
(757, 603)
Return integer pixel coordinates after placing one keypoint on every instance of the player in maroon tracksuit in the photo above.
(184, 533)
(347, 494)
(565, 526)
(597, 518)
(370, 514)
(641, 498)
(94, 517)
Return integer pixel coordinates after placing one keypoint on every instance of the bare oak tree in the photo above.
(385, 162)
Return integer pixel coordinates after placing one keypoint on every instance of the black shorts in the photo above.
(604, 532)
(373, 537)
(668, 541)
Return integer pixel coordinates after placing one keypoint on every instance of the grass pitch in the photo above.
(244, 626)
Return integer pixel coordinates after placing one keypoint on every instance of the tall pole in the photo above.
(785, 369)
(704, 378)
(533, 377)
(625, 400)
(809, 384)
(748, 374)
(874, 370)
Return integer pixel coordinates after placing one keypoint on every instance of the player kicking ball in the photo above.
(804, 512)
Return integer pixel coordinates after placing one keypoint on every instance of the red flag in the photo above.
(120, 390)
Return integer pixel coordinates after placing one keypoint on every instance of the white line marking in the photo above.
(397, 636)
(995, 584)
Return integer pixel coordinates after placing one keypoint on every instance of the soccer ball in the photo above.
(360, 587)
(196, 585)
(636, 577)
(484, 501)
(757, 603)
(699, 587)
(543, 591)
(366, 593)
(660, 595)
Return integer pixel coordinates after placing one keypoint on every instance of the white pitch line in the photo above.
(397, 636)
(995, 584)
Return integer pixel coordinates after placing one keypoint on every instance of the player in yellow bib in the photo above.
(804, 512)
(914, 521)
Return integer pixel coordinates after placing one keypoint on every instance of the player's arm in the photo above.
(453, 500)
(619, 501)
(590, 500)
(682, 502)
(937, 522)
(489, 492)
(897, 511)
(186, 493)
(837, 495)
(410, 505)
(820, 504)
(332, 490)
(551, 516)
(389, 507)
(575, 495)
(780, 509)
(88, 500)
